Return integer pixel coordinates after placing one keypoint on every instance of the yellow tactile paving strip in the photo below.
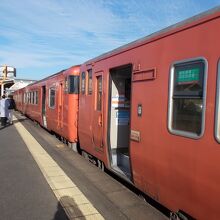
(75, 204)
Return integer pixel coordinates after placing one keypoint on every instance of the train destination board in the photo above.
(188, 76)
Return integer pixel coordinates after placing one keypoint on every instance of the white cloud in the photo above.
(52, 33)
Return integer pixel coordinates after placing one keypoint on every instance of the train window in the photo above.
(83, 83)
(187, 98)
(52, 94)
(99, 93)
(66, 85)
(33, 97)
(29, 97)
(36, 95)
(73, 85)
(217, 112)
(89, 81)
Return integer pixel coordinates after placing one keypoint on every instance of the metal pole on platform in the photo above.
(2, 89)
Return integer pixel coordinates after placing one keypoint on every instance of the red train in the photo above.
(148, 111)
(53, 102)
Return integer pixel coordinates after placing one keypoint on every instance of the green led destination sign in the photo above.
(188, 76)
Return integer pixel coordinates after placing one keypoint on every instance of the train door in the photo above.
(119, 119)
(60, 106)
(44, 106)
(97, 128)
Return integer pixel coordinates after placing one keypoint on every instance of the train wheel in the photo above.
(100, 165)
(85, 155)
(73, 146)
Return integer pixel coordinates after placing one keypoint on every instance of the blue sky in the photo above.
(42, 37)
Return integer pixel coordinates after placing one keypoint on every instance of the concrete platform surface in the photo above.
(42, 178)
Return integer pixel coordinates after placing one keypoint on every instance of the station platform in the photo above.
(42, 178)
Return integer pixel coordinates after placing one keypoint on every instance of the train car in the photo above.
(18, 97)
(149, 111)
(53, 103)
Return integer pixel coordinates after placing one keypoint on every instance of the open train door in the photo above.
(97, 123)
(44, 120)
(119, 119)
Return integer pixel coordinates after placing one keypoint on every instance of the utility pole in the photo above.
(4, 77)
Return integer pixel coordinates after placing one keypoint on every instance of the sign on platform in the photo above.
(8, 70)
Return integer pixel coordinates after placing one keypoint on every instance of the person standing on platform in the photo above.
(4, 110)
(11, 106)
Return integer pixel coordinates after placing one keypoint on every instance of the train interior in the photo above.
(119, 119)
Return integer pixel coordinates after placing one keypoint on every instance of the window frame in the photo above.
(217, 108)
(29, 97)
(36, 97)
(24, 97)
(52, 88)
(83, 90)
(76, 80)
(32, 98)
(99, 104)
(66, 84)
(170, 100)
(89, 86)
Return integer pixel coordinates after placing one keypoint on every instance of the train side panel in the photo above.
(126, 121)
(90, 140)
(53, 102)
(176, 170)
(18, 97)
(61, 114)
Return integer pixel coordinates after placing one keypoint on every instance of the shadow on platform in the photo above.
(71, 208)
(14, 122)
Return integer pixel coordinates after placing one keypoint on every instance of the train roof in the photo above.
(51, 76)
(193, 21)
(41, 80)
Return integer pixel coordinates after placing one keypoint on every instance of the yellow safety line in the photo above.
(73, 201)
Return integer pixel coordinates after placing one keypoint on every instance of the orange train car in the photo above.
(18, 97)
(149, 111)
(53, 102)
